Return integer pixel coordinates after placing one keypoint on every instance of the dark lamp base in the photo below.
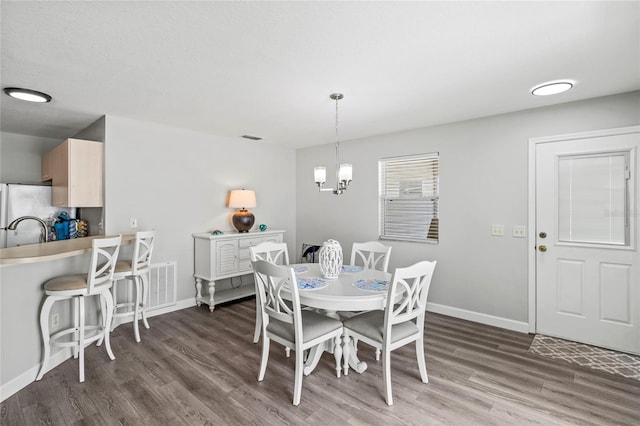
(243, 220)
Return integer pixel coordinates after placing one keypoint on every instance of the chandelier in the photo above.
(344, 172)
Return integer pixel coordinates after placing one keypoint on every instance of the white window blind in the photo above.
(409, 197)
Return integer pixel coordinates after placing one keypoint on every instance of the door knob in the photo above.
(542, 248)
(543, 235)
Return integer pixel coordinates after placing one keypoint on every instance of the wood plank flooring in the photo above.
(194, 367)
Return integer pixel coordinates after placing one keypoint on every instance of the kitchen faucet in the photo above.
(13, 225)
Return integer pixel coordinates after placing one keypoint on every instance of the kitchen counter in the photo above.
(53, 250)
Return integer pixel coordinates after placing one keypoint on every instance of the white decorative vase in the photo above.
(331, 259)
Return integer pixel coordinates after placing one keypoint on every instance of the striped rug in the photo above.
(613, 362)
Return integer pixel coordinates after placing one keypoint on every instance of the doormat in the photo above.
(613, 362)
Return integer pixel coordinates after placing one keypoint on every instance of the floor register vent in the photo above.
(162, 287)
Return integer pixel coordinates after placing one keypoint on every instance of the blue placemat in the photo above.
(300, 269)
(371, 285)
(308, 283)
(351, 268)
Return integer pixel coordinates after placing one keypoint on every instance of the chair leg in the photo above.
(386, 373)
(265, 357)
(143, 299)
(287, 351)
(44, 327)
(377, 354)
(107, 328)
(136, 306)
(297, 387)
(256, 333)
(421, 362)
(80, 341)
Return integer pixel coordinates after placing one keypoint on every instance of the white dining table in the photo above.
(356, 289)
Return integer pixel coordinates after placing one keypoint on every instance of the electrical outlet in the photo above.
(133, 222)
(55, 320)
(519, 231)
(497, 230)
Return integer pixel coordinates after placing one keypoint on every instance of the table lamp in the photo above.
(243, 219)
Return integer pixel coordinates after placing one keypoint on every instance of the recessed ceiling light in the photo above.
(551, 88)
(27, 94)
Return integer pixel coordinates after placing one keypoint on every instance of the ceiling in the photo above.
(267, 68)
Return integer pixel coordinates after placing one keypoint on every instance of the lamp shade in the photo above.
(319, 175)
(346, 172)
(242, 198)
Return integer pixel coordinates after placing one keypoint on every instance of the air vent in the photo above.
(253, 138)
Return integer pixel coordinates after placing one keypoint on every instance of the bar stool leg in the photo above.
(103, 317)
(136, 306)
(114, 292)
(145, 294)
(107, 328)
(81, 332)
(44, 327)
(76, 325)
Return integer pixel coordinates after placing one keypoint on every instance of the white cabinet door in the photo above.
(587, 265)
(226, 257)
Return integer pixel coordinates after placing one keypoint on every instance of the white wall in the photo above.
(176, 182)
(20, 157)
(483, 181)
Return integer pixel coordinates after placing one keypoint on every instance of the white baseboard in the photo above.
(29, 376)
(519, 326)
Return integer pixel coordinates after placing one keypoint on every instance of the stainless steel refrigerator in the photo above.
(18, 200)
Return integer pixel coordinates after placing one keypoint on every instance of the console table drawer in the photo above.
(226, 256)
(249, 242)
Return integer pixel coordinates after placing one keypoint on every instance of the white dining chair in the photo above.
(402, 321)
(271, 252)
(372, 255)
(286, 323)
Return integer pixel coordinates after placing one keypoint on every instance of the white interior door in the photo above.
(587, 261)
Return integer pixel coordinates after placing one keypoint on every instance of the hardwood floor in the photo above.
(195, 367)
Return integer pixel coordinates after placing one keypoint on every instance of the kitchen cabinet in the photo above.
(226, 256)
(75, 169)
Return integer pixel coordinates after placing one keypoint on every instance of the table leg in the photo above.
(346, 352)
(314, 357)
(354, 362)
(212, 291)
(198, 291)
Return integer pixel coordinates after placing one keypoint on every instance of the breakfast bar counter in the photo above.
(53, 250)
(23, 271)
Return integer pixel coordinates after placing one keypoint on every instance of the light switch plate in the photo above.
(497, 230)
(133, 222)
(519, 231)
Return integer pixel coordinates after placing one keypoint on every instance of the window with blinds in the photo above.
(409, 197)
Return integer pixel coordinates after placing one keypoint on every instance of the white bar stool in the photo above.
(136, 270)
(76, 287)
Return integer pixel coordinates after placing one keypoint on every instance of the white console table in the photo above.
(226, 256)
